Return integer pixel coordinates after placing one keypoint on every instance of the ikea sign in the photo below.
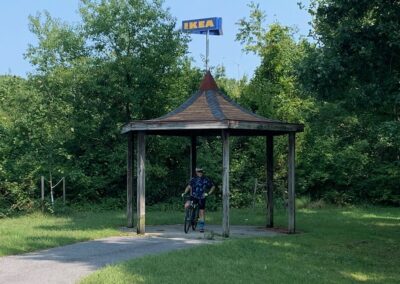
(201, 26)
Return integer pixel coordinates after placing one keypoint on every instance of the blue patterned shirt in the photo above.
(199, 186)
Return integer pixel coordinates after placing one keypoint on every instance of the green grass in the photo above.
(347, 245)
(38, 231)
(337, 245)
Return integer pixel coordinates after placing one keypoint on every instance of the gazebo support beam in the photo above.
(270, 180)
(129, 181)
(141, 159)
(291, 183)
(193, 156)
(225, 183)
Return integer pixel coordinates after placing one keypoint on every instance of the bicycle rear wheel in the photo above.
(188, 219)
(195, 218)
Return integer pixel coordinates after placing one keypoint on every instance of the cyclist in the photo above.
(198, 194)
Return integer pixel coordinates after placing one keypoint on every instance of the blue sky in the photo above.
(15, 35)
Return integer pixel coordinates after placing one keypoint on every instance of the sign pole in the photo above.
(207, 49)
(207, 26)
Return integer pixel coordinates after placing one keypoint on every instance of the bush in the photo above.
(240, 198)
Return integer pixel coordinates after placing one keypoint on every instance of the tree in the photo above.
(353, 71)
(122, 62)
(20, 143)
(274, 90)
(358, 59)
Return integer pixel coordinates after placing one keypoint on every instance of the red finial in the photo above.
(208, 83)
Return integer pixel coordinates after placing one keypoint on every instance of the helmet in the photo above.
(199, 169)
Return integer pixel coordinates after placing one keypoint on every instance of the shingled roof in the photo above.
(208, 111)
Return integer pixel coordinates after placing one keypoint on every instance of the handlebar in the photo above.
(188, 195)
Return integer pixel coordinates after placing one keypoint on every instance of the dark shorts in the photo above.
(201, 202)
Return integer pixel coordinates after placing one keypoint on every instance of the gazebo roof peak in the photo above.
(210, 110)
(208, 83)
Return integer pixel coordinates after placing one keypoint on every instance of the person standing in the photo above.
(198, 187)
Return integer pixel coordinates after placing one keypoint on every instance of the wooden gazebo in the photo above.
(209, 112)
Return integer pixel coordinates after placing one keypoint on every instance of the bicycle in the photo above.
(191, 216)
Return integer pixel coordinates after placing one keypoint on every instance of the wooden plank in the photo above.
(129, 181)
(134, 173)
(172, 125)
(147, 125)
(270, 126)
(193, 156)
(270, 180)
(141, 159)
(213, 132)
(225, 183)
(291, 183)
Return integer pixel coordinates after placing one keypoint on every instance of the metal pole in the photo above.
(51, 190)
(254, 193)
(63, 190)
(207, 50)
(42, 190)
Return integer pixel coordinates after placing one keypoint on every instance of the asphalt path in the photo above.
(68, 264)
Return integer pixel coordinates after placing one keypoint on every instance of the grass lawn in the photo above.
(38, 231)
(336, 245)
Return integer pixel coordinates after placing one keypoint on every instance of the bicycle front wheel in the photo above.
(188, 219)
(195, 218)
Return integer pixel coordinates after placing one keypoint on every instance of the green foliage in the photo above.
(343, 87)
(353, 71)
(273, 92)
(125, 61)
(20, 144)
(358, 54)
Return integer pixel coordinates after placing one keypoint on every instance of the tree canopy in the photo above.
(126, 60)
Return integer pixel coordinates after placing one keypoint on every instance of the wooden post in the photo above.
(193, 156)
(141, 158)
(291, 183)
(129, 182)
(225, 183)
(63, 190)
(270, 180)
(42, 190)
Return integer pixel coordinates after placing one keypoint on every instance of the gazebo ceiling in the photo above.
(207, 112)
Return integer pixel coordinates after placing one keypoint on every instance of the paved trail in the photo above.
(69, 263)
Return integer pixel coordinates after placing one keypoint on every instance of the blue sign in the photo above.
(201, 26)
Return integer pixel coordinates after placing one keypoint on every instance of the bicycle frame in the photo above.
(191, 216)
